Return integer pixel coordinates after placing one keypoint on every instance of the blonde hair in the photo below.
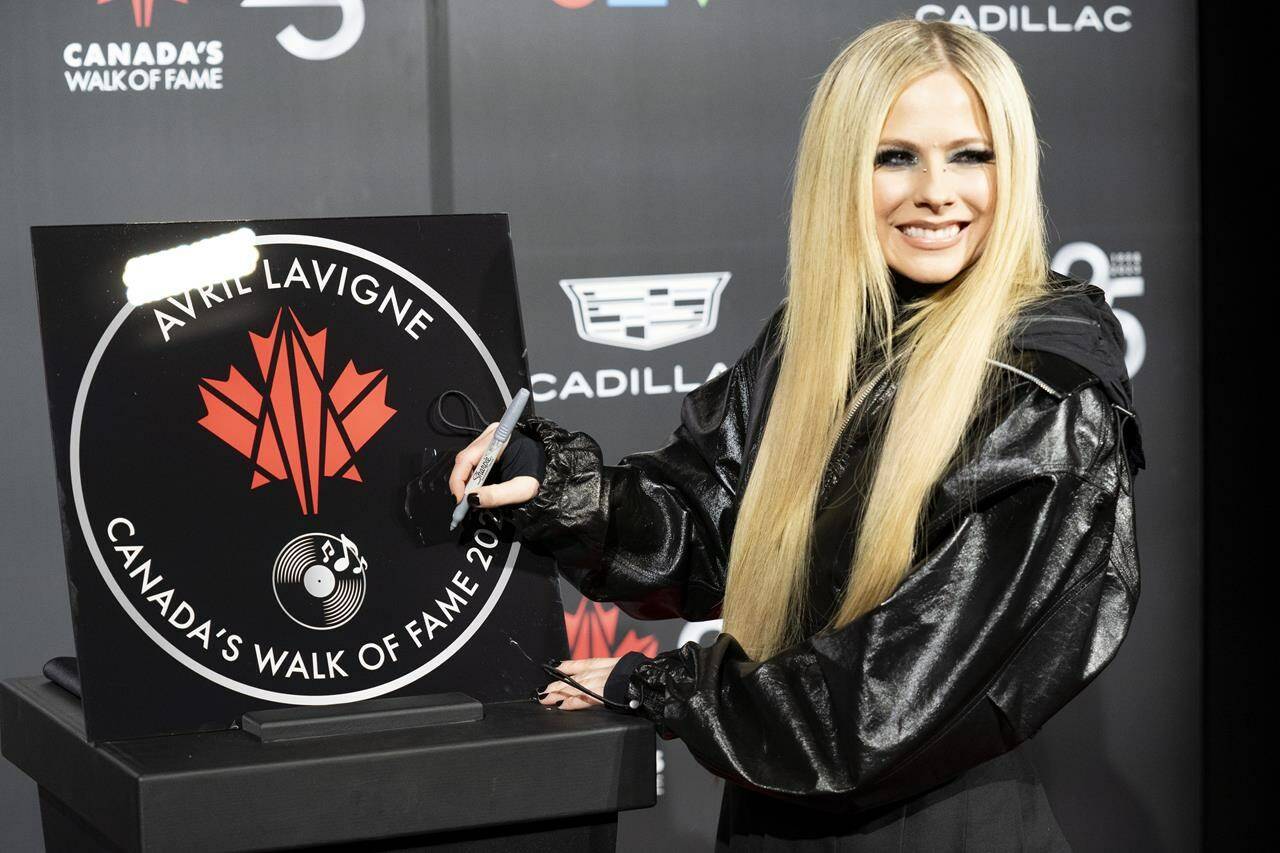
(841, 301)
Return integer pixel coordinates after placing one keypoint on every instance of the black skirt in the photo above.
(996, 806)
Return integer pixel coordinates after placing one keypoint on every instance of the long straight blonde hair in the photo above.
(839, 328)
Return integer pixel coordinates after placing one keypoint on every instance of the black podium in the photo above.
(501, 776)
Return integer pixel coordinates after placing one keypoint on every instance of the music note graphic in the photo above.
(349, 552)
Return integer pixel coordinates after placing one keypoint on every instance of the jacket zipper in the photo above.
(857, 404)
(854, 406)
(1034, 379)
(1054, 319)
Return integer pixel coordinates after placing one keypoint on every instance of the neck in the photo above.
(909, 289)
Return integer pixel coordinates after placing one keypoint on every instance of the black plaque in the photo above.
(232, 463)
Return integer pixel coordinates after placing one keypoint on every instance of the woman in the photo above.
(910, 499)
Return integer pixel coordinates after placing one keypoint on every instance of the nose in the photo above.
(934, 188)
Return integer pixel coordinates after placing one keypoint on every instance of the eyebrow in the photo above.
(955, 143)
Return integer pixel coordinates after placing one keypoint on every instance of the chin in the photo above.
(934, 272)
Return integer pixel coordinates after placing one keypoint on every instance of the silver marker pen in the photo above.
(497, 444)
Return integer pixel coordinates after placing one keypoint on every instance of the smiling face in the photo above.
(934, 183)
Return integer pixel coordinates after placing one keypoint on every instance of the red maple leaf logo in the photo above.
(293, 427)
(142, 10)
(592, 631)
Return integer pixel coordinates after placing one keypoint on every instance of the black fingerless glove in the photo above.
(523, 457)
(428, 502)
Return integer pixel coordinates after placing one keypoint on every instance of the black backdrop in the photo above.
(1238, 609)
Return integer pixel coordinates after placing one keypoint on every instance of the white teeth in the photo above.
(938, 235)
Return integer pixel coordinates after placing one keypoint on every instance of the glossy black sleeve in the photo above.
(1018, 604)
(650, 534)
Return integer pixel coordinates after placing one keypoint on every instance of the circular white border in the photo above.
(77, 490)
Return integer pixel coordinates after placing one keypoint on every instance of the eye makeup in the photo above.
(899, 156)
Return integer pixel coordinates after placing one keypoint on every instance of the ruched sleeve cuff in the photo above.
(570, 486)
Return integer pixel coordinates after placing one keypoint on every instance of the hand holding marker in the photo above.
(497, 444)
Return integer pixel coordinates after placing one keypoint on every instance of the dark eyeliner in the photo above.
(977, 155)
(885, 157)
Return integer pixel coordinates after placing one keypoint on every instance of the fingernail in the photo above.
(553, 661)
(473, 499)
(541, 695)
(558, 703)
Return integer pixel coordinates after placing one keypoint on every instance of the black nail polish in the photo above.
(473, 499)
(558, 703)
(553, 661)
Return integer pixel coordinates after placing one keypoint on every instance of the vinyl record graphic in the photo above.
(319, 580)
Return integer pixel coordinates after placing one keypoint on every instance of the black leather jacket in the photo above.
(1024, 587)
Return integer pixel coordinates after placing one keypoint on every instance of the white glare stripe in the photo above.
(148, 278)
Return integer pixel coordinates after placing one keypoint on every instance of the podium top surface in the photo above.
(227, 790)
